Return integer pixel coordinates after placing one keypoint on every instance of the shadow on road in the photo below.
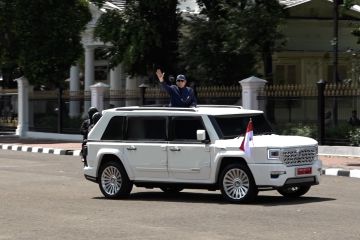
(216, 198)
(280, 200)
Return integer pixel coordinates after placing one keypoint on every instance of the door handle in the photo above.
(175, 149)
(131, 148)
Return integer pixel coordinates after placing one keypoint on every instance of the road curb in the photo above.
(24, 148)
(341, 172)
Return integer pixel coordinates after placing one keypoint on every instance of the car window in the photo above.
(230, 126)
(146, 128)
(114, 130)
(184, 128)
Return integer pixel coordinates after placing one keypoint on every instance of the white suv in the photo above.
(177, 148)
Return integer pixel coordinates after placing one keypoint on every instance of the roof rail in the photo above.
(143, 108)
(220, 106)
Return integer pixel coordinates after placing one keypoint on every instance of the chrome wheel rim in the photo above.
(111, 180)
(236, 183)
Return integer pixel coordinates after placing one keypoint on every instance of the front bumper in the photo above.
(279, 175)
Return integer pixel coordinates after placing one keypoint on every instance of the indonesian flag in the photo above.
(248, 138)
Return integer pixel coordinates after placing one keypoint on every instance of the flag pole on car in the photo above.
(248, 138)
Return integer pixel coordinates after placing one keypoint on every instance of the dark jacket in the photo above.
(84, 129)
(180, 97)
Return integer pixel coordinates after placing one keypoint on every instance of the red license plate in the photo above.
(303, 171)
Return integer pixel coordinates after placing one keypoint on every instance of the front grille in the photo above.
(298, 156)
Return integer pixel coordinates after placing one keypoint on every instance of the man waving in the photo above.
(180, 95)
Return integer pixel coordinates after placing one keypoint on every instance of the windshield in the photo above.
(231, 126)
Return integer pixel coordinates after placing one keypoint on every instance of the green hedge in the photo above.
(343, 133)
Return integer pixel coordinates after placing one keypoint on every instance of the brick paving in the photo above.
(341, 162)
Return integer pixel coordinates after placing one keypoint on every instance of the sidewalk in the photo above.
(337, 160)
(60, 147)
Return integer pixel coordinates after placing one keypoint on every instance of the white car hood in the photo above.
(270, 141)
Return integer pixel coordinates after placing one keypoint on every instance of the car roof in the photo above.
(198, 110)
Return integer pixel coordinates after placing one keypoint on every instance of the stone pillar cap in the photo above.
(99, 85)
(253, 79)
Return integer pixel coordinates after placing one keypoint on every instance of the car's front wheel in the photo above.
(237, 184)
(114, 182)
(294, 191)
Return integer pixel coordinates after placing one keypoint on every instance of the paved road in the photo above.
(44, 196)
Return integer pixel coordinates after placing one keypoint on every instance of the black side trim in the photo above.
(90, 178)
(211, 187)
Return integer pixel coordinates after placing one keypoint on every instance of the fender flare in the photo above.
(119, 155)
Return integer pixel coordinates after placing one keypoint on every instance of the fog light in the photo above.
(276, 174)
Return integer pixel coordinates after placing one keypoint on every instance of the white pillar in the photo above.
(97, 95)
(250, 91)
(74, 105)
(115, 84)
(89, 74)
(131, 90)
(31, 106)
(23, 106)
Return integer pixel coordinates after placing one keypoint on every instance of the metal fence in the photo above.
(296, 106)
(8, 113)
(293, 106)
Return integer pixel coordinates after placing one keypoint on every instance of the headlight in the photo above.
(273, 154)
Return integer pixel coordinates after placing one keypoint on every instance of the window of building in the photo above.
(341, 73)
(286, 74)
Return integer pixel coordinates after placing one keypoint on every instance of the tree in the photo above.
(142, 36)
(223, 44)
(8, 42)
(44, 37)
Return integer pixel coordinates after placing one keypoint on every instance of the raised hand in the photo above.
(160, 75)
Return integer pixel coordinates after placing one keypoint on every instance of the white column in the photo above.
(131, 89)
(115, 84)
(89, 73)
(74, 105)
(31, 106)
(250, 91)
(23, 106)
(97, 95)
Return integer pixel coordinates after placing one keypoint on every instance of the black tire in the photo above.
(237, 184)
(113, 180)
(171, 189)
(294, 192)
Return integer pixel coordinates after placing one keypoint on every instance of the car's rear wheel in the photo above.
(237, 184)
(294, 191)
(114, 182)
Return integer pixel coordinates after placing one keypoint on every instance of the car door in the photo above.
(145, 147)
(188, 159)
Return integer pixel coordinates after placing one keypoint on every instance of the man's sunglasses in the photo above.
(180, 80)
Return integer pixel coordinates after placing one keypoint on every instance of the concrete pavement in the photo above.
(337, 160)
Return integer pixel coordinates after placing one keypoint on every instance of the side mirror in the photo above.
(201, 135)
